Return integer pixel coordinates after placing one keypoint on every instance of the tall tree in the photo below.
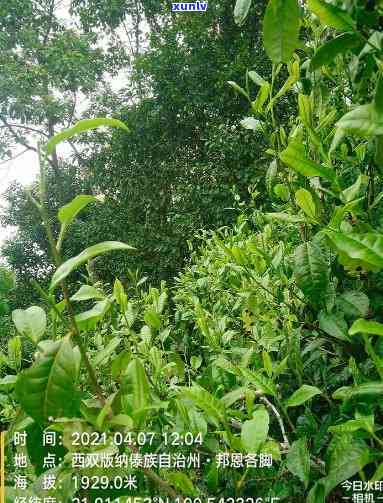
(174, 173)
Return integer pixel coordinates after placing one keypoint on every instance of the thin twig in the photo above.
(279, 419)
(22, 126)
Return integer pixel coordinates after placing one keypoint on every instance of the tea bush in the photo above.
(270, 340)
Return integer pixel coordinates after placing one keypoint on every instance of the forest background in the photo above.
(186, 157)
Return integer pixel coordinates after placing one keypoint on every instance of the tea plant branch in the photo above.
(41, 205)
(57, 259)
(374, 357)
(51, 303)
(284, 410)
(258, 283)
(162, 483)
(376, 438)
(286, 442)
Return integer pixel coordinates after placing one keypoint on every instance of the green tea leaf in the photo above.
(182, 482)
(282, 191)
(120, 295)
(80, 127)
(152, 318)
(301, 395)
(363, 121)
(330, 50)
(333, 325)
(87, 292)
(272, 447)
(93, 251)
(358, 250)
(378, 475)
(262, 383)
(367, 389)
(305, 109)
(357, 189)
(256, 78)
(251, 123)
(294, 157)
(122, 420)
(14, 352)
(354, 303)
(137, 384)
(362, 423)
(378, 98)
(48, 388)
(241, 11)
(298, 460)
(238, 88)
(311, 271)
(88, 319)
(211, 406)
(305, 201)
(330, 15)
(366, 327)
(105, 353)
(348, 457)
(267, 363)
(260, 100)
(68, 213)
(281, 29)
(284, 217)
(31, 323)
(234, 396)
(7, 383)
(254, 432)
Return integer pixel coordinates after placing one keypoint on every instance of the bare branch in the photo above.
(77, 153)
(21, 126)
(279, 419)
(14, 157)
(19, 140)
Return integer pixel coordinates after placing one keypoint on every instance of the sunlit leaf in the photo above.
(241, 11)
(367, 389)
(31, 323)
(87, 292)
(48, 388)
(366, 327)
(302, 395)
(330, 50)
(358, 250)
(254, 432)
(93, 251)
(363, 120)
(281, 29)
(306, 202)
(80, 127)
(68, 213)
(330, 15)
(294, 157)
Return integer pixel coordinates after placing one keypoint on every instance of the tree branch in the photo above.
(279, 419)
(14, 157)
(19, 140)
(27, 128)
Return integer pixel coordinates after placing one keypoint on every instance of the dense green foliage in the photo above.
(270, 339)
(174, 173)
